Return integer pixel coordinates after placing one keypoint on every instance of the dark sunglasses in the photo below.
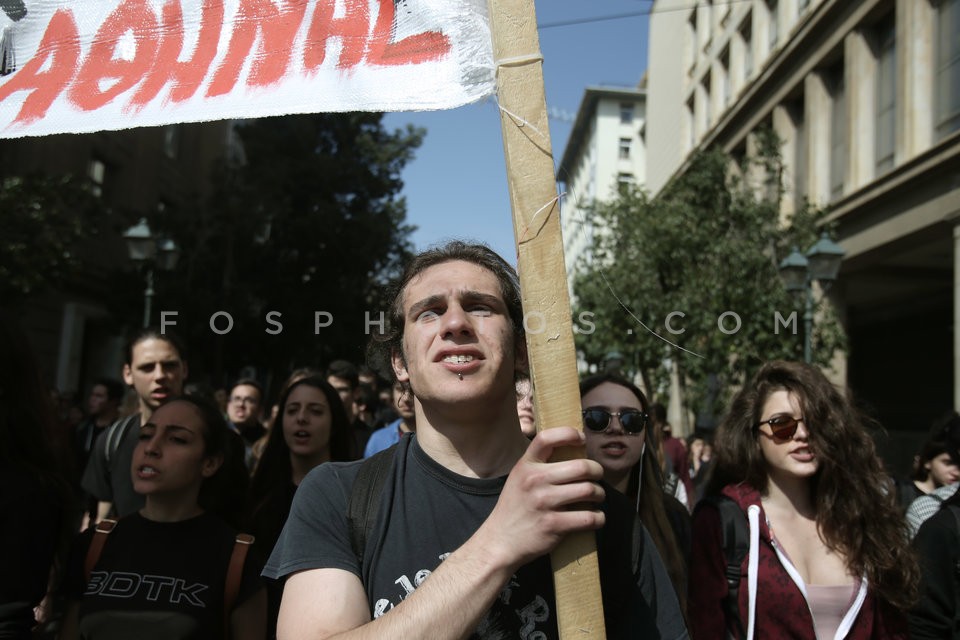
(783, 427)
(632, 420)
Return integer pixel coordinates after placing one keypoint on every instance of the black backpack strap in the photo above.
(365, 496)
(736, 546)
(115, 433)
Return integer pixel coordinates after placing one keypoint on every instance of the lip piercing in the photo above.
(460, 375)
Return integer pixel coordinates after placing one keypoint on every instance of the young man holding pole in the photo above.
(470, 508)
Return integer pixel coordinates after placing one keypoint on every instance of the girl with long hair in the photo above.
(162, 572)
(619, 436)
(310, 428)
(829, 553)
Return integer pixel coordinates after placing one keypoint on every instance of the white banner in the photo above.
(75, 66)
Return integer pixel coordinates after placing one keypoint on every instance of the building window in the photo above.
(707, 102)
(692, 35)
(691, 117)
(886, 93)
(746, 35)
(948, 68)
(97, 172)
(624, 148)
(626, 113)
(838, 130)
(773, 23)
(624, 182)
(796, 110)
(725, 77)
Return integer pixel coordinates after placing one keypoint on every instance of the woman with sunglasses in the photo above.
(828, 553)
(616, 421)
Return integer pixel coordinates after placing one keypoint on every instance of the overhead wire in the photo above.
(630, 14)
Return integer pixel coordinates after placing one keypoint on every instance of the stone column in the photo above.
(916, 37)
(861, 91)
(817, 117)
(786, 130)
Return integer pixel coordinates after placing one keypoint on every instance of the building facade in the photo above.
(142, 172)
(605, 150)
(865, 96)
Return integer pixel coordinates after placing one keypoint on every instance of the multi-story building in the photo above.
(605, 150)
(865, 96)
(142, 172)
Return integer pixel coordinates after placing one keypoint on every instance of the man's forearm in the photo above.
(449, 604)
(103, 510)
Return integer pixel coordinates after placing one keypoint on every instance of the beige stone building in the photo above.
(865, 95)
(605, 150)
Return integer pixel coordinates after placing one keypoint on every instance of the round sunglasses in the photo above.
(632, 420)
(783, 427)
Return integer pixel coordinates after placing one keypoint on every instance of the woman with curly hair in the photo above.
(829, 553)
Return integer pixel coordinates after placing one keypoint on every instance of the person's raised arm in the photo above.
(532, 515)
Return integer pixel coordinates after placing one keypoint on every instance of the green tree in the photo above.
(46, 220)
(708, 248)
(310, 221)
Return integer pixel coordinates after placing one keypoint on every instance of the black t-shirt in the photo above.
(426, 513)
(109, 480)
(157, 580)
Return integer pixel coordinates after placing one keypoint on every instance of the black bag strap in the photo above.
(736, 546)
(365, 497)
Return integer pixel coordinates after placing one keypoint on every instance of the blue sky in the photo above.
(456, 187)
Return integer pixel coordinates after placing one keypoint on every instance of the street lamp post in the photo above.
(150, 252)
(798, 272)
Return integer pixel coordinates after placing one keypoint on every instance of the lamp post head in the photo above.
(825, 258)
(140, 243)
(793, 271)
(168, 253)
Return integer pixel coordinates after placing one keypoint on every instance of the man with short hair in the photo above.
(345, 378)
(470, 508)
(244, 414)
(103, 409)
(156, 369)
(390, 435)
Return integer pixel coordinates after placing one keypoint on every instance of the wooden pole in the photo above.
(546, 303)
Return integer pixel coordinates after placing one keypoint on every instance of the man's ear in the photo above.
(211, 465)
(399, 365)
(127, 375)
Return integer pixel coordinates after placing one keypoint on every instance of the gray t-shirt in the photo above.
(427, 512)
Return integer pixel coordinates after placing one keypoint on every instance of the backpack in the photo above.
(736, 545)
(231, 590)
(365, 497)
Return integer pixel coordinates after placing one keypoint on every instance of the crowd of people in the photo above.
(416, 497)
